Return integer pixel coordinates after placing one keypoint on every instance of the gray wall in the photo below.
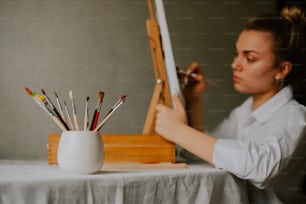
(92, 45)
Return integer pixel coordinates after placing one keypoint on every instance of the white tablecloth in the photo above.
(31, 182)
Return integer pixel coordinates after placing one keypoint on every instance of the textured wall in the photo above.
(92, 45)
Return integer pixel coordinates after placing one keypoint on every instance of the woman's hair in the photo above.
(289, 33)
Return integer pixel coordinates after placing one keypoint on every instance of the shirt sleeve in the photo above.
(258, 162)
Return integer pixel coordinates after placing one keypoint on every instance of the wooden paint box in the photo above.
(141, 148)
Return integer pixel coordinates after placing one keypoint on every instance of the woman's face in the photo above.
(253, 66)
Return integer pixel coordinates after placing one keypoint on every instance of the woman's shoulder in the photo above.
(294, 112)
(296, 107)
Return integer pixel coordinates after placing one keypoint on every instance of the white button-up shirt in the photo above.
(261, 146)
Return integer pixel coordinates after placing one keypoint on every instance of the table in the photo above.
(25, 182)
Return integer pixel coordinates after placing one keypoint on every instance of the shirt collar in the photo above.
(265, 111)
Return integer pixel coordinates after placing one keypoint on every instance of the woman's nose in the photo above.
(236, 65)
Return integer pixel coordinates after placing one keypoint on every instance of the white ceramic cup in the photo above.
(80, 152)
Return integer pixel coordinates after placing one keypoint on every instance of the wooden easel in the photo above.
(161, 92)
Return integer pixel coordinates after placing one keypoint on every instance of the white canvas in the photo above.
(167, 48)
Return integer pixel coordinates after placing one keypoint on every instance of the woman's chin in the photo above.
(241, 89)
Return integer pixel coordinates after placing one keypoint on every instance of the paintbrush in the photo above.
(111, 112)
(187, 76)
(51, 105)
(86, 119)
(35, 97)
(60, 106)
(96, 114)
(53, 115)
(45, 107)
(74, 113)
(68, 116)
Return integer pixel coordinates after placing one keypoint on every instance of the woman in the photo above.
(261, 140)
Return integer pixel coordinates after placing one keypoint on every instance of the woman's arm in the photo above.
(172, 124)
(254, 161)
(193, 90)
(195, 116)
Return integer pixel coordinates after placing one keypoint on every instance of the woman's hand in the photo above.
(167, 118)
(172, 125)
(195, 85)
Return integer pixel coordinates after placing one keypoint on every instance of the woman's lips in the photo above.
(236, 79)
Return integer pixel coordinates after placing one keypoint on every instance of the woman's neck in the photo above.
(261, 98)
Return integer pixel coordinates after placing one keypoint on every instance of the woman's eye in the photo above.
(250, 59)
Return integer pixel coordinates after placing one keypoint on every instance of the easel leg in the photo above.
(150, 120)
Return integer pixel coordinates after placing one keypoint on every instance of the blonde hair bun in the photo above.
(295, 15)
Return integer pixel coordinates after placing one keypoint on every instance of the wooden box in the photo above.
(125, 148)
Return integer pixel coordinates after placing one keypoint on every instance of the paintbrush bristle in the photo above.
(42, 98)
(101, 96)
(28, 91)
(123, 97)
(70, 95)
(43, 91)
(87, 98)
(55, 94)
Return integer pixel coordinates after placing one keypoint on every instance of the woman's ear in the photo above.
(284, 70)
